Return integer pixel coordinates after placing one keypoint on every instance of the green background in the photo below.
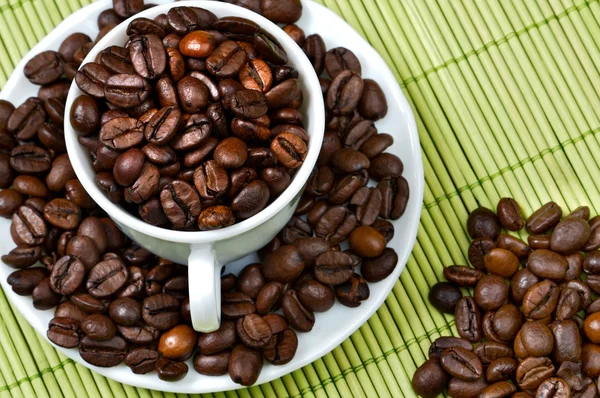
(506, 97)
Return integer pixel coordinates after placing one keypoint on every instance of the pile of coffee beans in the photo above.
(536, 327)
(194, 124)
(116, 302)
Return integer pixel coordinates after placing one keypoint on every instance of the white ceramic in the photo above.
(206, 252)
(332, 327)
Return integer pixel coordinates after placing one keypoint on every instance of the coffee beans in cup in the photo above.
(116, 302)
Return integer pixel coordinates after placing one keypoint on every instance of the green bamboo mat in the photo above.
(506, 94)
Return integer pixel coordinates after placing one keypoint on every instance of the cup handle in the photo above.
(204, 275)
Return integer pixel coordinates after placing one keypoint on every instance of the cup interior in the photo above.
(312, 110)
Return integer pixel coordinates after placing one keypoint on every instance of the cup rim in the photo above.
(78, 156)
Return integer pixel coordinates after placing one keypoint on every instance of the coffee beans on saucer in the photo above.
(536, 328)
(220, 137)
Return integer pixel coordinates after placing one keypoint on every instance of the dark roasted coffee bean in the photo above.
(372, 104)
(547, 264)
(521, 281)
(10, 201)
(277, 179)
(352, 292)
(64, 332)
(106, 278)
(594, 241)
(503, 325)
(62, 213)
(125, 311)
(544, 218)
(195, 132)
(44, 68)
(67, 275)
(498, 390)
(538, 242)
(161, 311)
(394, 197)
(29, 159)
(22, 256)
(483, 223)
(281, 348)
(540, 300)
(269, 297)
(169, 370)
(430, 379)
(295, 229)
(462, 363)
(87, 303)
(442, 343)
(513, 244)
(468, 319)
(250, 104)
(180, 203)
(92, 78)
(553, 387)
(212, 365)
(298, 316)
(491, 292)
(245, 365)
(141, 360)
(126, 90)
(98, 327)
(215, 217)
(444, 297)
(316, 296)
(250, 200)
(28, 226)
(462, 275)
(334, 268)
(122, 133)
(44, 298)
(335, 224)
(478, 249)
(466, 389)
(60, 172)
(533, 371)
(340, 59)
(283, 265)
(24, 281)
(567, 341)
(315, 50)
(283, 94)
(501, 369)
(253, 331)
(509, 214)
(148, 56)
(144, 26)
(570, 235)
(380, 267)
(250, 280)
(344, 93)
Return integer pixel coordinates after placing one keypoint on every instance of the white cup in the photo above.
(206, 252)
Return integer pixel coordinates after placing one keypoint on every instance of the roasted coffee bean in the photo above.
(570, 235)
(295, 229)
(498, 390)
(28, 227)
(250, 280)
(430, 379)
(10, 201)
(269, 297)
(128, 166)
(84, 115)
(547, 264)
(125, 311)
(376, 144)
(468, 319)
(161, 311)
(315, 296)
(24, 122)
(106, 278)
(501, 369)
(298, 316)
(283, 95)
(22, 256)
(126, 90)
(92, 78)
(281, 348)
(67, 275)
(444, 296)
(245, 365)
(148, 56)
(64, 332)
(378, 268)
(591, 264)
(352, 292)
(141, 360)
(442, 343)
(276, 178)
(250, 200)
(569, 303)
(462, 275)
(478, 248)
(180, 203)
(212, 365)
(24, 281)
(178, 343)
(509, 214)
(283, 265)
(221, 339)
(501, 262)
(331, 143)
(310, 248)
(537, 242)
(583, 289)
(394, 197)
(491, 292)
(344, 93)
(594, 241)
(98, 327)
(483, 223)
(44, 298)
(169, 370)
(553, 387)
(540, 300)
(462, 363)
(28, 159)
(236, 304)
(544, 218)
(536, 339)
(366, 242)
(567, 341)
(515, 245)
(106, 353)
(335, 224)
(60, 172)
(122, 133)
(340, 59)
(315, 50)
(333, 268)
(62, 213)
(44, 68)
(253, 331)
(533, 371)
(466, 389)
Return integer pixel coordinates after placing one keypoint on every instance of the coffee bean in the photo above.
(92, 78)
(28, 226)
(334, 268)
(62, 213)
(544, 218)
(478, 248)
(283, 95)
(521, 281)
(125, 311)
(468, 319)
(245, 365)
(180, 203)
(98, 327)
(67, 275)
(442, 343)
(24, 281)
(352, 292)
(25, 121)
(372, 104)
(178, 343)
(141, 360)
(567, 341)
(106, 278)
(29, 159)
(430, 379)
(533, 371)
(315, 296)
(540, 300)
(121, 133)
(514, 245)
(283, 265)
(461, 363)
(60, 172)
(499, 389)
(253, 331)
(444, 296)
(335, 224)
(467, 389)
(501, 369)
(22, 256)
(344, 93)
(339, 59)
(594, 241)
(378, 268)
(538, 242)
(394, 197)
(250, 200)
(554, 387)
(126, 90)
(483, 223)
(64, 332)
(44, 68)
(212, 365)
(161, 311)
(509, 214)
(148, 56)
(298, 316)
(570, 235)
(168, 370)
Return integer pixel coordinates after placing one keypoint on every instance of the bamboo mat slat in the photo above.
(506, 95)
